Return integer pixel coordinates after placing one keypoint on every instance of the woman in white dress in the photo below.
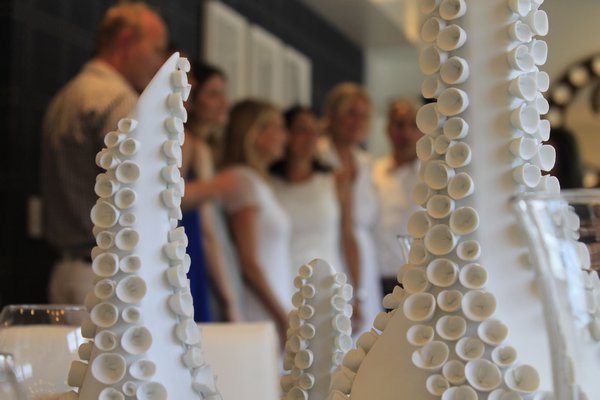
(346, 122)
(254, 139)
(314, 197)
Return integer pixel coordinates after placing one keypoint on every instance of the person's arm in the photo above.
(350, 250)
(217, 265)
(243, 228)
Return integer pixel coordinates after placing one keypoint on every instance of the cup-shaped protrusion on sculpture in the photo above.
(464, 220)
(431, 28)
(431, 59)
(174, 125)
(545, 157)
(442, 272)
(429, 119)
(131, 315)
(463, 392)
(542, 80)
(142, 369)
(455, 70)
(441, 144)
(112, 139)
(305, 271)
(452, 9)
(131, 289)
(341, 323)
(393, 300)
(452, 101)
(419, 307)
(129, 388)
(193, 357)
(428, 6)
(436, 384)
(306, 381)
(539, 51)
(483, 375)
(456, 128)
(541, 104)
(170, 174)
(468, 250)
(520, 59)
(105, 265)
(88, 329)
(176, 276)
(307, 331)
(108, 160)
(437, 174)
(419, 335)
(178, 235)
(127, 125)
(424, 148)
(421, 193)
(440, 239)
(521, 7)
(188, 332)
(342, 380)
(130, 264)
(450, 300)
(125, 198)
(520, 32)
(85, 350)
(77, 373)
(127, 239)
(439, 206)
(175, 105)
(454, 372)
(524, 87)
(431, 356)
(136, 340)
(524, 147)
(174, 251)
(127, 172)
(451, 327)
(109, 368)
(182, 303)
(105, 187)
(473, 276)
(538, 21)
(504, 356)
(492, 332)
(381, 321)
(431, 87)
(171, 198)
(549, 184)
(179, 79)
(458, 155)
(172, 150)
(105, 239)
(522, 379)
(451, 37)
(129, 147)
(415, 280)
(418, 224)
(469, 348)
(151, 391)
(297, 343)
(104, 288)
(343, 342)
(127, 219)
(104, 215)
(525, 118)
(527, 174)
(418, 254)
(478, 305)
(542, 131)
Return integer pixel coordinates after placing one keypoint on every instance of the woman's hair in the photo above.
(567, 168)
(339, 98)
(246, 116)
(290, 115)
(202, 72)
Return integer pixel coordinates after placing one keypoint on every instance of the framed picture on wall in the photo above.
(225, 45)
(265, 71)
(297, 78)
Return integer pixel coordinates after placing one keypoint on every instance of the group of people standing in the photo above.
(266, 190)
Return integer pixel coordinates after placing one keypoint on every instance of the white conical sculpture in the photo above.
(145, 343)
(469, 305)
(319, 331)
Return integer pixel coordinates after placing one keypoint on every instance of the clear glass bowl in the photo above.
(43, 339)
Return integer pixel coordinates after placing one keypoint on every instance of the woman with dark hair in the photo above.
(212, 270)
(314, 196)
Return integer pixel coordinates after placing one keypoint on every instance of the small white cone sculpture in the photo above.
(319, 332)
(145, 343)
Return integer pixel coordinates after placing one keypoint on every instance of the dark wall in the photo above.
(49, 40)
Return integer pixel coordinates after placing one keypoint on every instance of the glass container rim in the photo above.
(571, 196)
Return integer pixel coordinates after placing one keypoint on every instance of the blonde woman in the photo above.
(345, 124)
(254, 139)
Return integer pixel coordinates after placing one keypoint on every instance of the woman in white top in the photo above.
(314, 197)
(346, 121)
(254, 139)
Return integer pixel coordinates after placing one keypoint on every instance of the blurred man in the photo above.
(395, 177)
(129, 49)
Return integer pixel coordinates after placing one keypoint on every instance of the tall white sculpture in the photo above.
(469, 304)
(145, 343)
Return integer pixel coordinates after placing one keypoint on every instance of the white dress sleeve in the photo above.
(241, 190)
